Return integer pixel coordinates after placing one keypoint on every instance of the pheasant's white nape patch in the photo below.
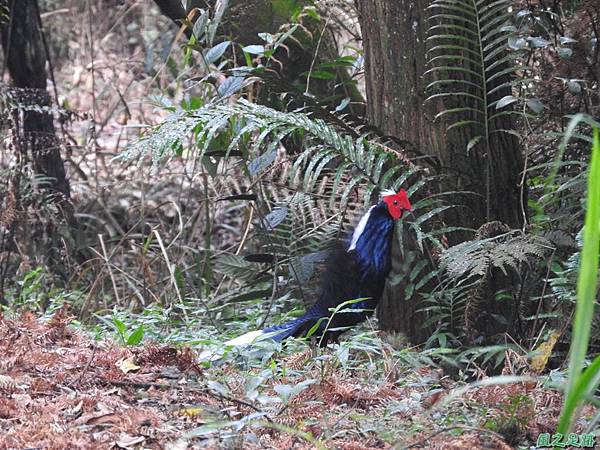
(387, 192)
(360, 228)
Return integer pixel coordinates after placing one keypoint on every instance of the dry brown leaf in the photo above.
(99, 419)
(543, 353)
(128, 365)
(128, 442)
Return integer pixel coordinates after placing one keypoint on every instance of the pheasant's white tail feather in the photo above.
(240, 341)
(246, 339)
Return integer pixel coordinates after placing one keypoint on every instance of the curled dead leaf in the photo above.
(543, 352)
(127, 365)
(99, 419)
(128, 442)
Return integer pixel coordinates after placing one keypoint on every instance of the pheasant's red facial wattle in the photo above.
(397, 204)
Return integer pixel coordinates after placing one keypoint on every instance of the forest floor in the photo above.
(61, 389)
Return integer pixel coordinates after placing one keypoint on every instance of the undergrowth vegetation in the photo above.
(207, 212)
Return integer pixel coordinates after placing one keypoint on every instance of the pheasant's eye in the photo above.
(395, 202)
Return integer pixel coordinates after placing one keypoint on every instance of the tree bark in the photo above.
(50, 236)
(394, 34)
(25, 57)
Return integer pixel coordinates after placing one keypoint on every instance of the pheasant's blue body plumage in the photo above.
(352, 272)
(355, 269)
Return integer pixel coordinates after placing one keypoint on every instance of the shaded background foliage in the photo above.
(175, 171)
(270, 127)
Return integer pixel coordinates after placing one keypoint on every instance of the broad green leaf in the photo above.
(209, 428)
(566, 40)
(199, 27)
(120, 326)
(216, 52)
(136, 337)
(345, 102)
(472, 143)
(538, 42)
(230, 86)
(564, 52)
(275, 217)
(217, 387)
(254, 49)
(260, 163)
(267, 37)
(320, 74)
(573, 86)
(535, 105)
(505, 101)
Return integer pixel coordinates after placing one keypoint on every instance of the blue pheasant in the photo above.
(354, 270)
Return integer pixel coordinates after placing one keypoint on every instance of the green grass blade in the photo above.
(586, 295)
(585, 386)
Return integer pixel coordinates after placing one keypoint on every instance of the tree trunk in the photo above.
(25, 57)
(394, 34)
(47, 238)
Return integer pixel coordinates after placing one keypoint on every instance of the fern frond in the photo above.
(359, 161)
(506, 252)
(470, 63)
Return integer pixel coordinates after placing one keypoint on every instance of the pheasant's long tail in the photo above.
(277, 333)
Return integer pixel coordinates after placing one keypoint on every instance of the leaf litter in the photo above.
(60, 389)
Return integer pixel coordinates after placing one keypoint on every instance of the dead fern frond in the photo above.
(9, 213)
(7, 385)
(166, 355)
(61, 318)
(296, 415)
(298, 360)
(345, 392)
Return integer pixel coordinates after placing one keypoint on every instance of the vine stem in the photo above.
(486, 125)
